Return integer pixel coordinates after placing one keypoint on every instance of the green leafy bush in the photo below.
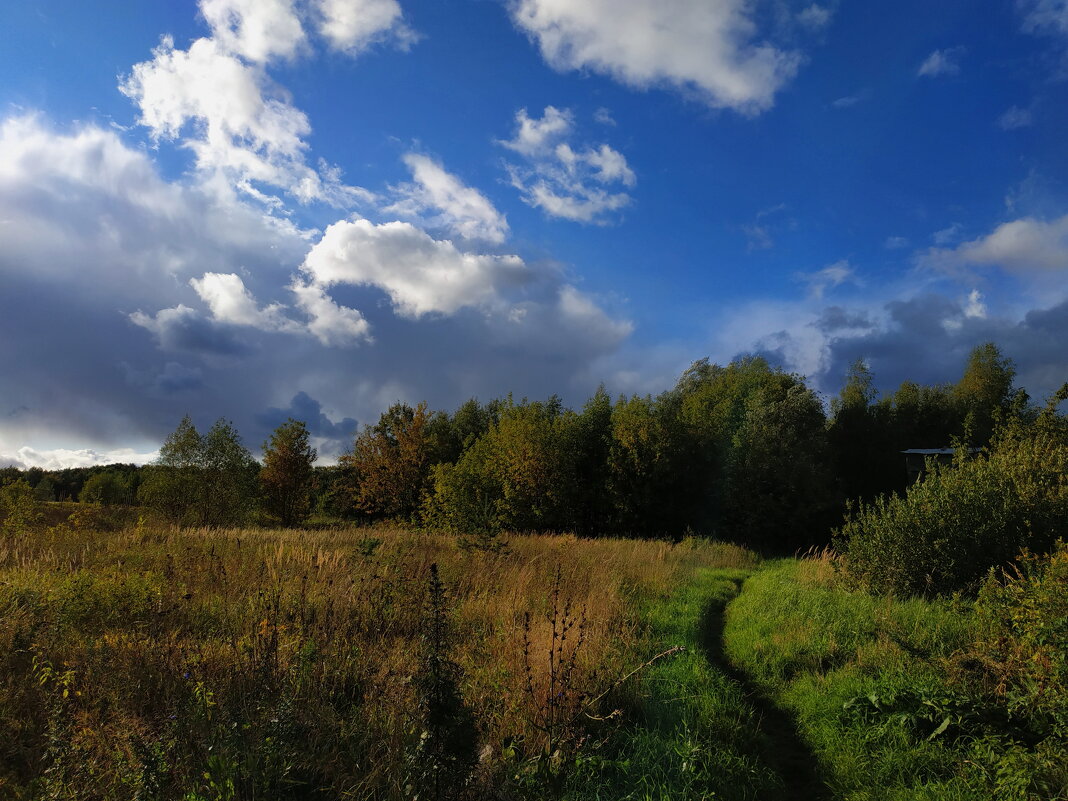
(1025, 639)
(19, 509)
(950, 529)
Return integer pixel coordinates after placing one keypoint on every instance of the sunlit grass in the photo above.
(882, 689)
(278, 663)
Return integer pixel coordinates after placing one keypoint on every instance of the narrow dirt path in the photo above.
(787, 753)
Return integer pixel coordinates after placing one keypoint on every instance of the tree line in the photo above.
(745, 452)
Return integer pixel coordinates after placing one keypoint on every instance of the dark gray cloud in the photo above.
(186, 329)
(305, 408)
(928, 340)
(837, 318)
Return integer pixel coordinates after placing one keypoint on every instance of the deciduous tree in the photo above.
(286, 476)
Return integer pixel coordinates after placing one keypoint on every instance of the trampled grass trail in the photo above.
(702, 730)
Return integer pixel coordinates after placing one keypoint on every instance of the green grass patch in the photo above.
(885, 691)
(691, 733)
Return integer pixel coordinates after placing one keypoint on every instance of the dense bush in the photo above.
(18, 507)
(947, 531)
(518, 476)
(107, 489)
(1025, 639)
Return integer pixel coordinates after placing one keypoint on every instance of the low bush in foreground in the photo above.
(1024, 638)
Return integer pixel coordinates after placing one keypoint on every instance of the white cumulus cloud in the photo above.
(217, 100)
(258, 30)
(461, 208)
(1024, 244)
(331, 323)
(352, 26)
(711, 48)
(580, 184)
(231, 302)
(420, 274)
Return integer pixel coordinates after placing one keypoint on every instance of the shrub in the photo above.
(104, 488)
(18, 507)
(950, 529)
(1025, 636)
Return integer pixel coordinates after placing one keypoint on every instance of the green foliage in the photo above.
(45, 490)
(19, 508)
(779, 486)
(759, 453)
(862, 441)
(201, 480)
(866, 434)
(1025, 637)
(518, 476)
(591, 438)
(951, 528)
(985, 392)
(106, 488)
(465, 495)
(885, 691)
(228, 477)
(286, 476)
(641, 475)
(172, 484)
(390, 464)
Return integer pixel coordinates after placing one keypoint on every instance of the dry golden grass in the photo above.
(271, 659)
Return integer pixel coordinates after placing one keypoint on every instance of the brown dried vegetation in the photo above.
(156, 662)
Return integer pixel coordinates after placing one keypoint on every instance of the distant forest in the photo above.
(744, 452)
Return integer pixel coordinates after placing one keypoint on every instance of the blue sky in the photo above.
(255, 208)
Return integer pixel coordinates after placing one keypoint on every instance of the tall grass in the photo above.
(153, 662)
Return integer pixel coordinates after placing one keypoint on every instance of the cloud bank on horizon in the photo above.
(319, 207)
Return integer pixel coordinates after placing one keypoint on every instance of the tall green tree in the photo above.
(171, 484)
(518, 476)
(713, 405)
(286, 476)
(106, 488)
(591, 440)
(985, 394)
(206, 480)
(860, 437)
(779, 488)
(643, 483)
(227, 477)
(45, 490)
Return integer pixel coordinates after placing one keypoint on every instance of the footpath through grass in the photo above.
(698, 732)
(794, 686)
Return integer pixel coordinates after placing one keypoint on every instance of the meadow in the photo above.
(156, 662)
(153, 662)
